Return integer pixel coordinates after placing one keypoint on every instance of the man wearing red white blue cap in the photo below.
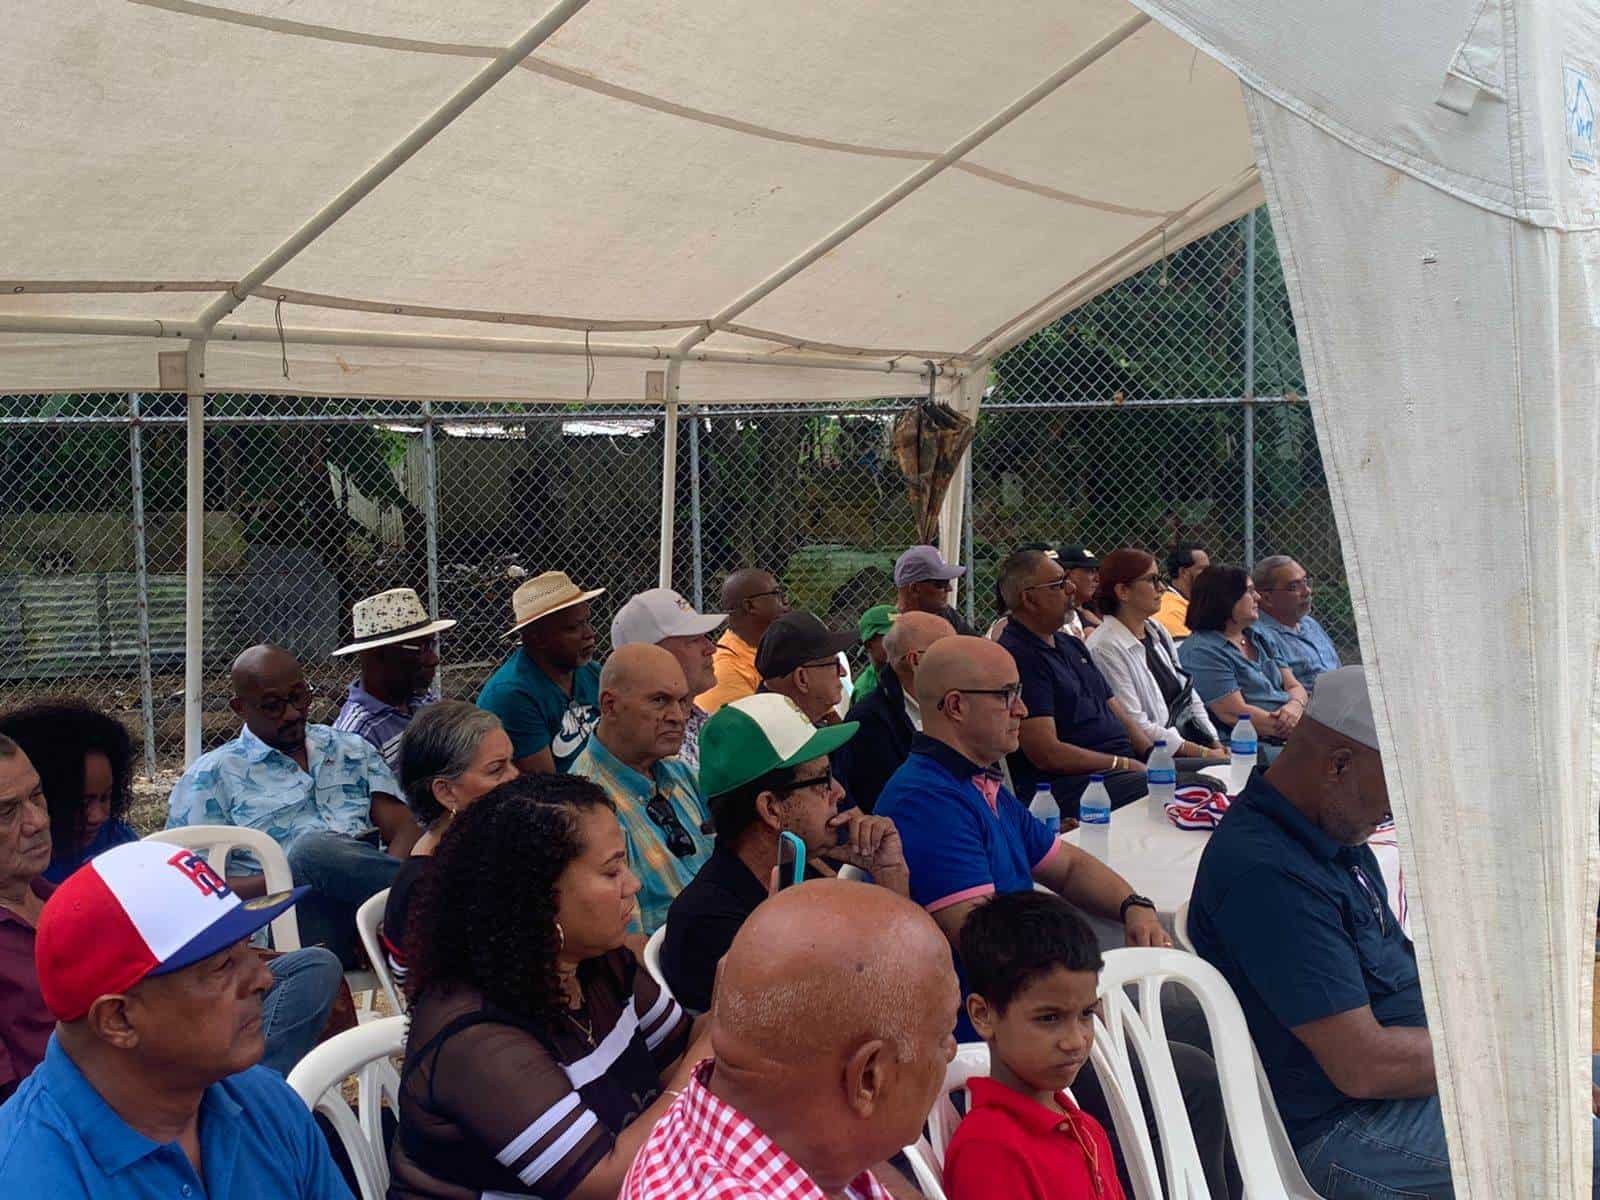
(150, 1085)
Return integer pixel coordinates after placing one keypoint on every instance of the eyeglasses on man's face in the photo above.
(779, 592)
(1010, 694)
(1059, 585)
(1298, 587)
(823, 781)
(297, 697)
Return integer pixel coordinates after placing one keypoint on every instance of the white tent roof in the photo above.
(642, 171)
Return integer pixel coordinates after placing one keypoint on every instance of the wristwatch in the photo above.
(1134, 900)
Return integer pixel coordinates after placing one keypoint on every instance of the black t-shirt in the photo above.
(702, 922)
(495, 1103)
(397, 911)
(1170, 685)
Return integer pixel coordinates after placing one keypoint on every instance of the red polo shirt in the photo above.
(1011, 1145)
(25, 1023)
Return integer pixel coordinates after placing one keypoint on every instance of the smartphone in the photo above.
(791, 860)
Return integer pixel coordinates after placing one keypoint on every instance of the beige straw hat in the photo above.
(546, 594)
(393, 616)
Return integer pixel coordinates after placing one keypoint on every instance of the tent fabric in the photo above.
(644, 168)
(1433, 194)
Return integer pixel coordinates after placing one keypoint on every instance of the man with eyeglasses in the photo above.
(767, 770)
(1075, 726)
(966, 838)
(398, 645)
(661, 617)
(644, 704)
(922, 582)
(753, 600)
(1297, 639)
(326, 796)
(799, 658)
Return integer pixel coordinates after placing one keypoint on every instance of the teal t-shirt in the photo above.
(537, 713)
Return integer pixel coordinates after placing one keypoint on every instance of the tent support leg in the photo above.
(141, 569)
(694, 509)
(669, 473)
(1250, 392)
(194, 565)
(430, 505)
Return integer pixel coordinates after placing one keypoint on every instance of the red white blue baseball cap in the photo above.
(146, 908)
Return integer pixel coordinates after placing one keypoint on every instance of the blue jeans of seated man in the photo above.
(342, 871)
(294, 1012)
(1394, 1148)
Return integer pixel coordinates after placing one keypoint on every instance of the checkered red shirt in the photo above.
(704, 1149)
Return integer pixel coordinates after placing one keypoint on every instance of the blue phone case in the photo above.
(798, 871)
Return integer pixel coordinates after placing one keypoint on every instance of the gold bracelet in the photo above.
(1116, 762)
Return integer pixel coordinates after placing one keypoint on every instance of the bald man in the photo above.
(327, 797)
(644, 706)
(966, 838)
(889, 715)
(832, 1035)
(753, 600)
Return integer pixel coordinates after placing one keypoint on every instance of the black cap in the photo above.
(797, 638)
(1072, 557)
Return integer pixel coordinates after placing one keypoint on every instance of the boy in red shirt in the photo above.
(1034, 969)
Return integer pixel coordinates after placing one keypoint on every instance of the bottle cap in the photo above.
(1097, 779)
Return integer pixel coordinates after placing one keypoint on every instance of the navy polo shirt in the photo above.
(959, 844)
(1060, 680)
(257, 1139)
(1301, 927)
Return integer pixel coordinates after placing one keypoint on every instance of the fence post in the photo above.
(1250, 390)
(694, 508)
(194, 551)
(430, 506)
(966, 533)
(669, 469)
(141, 569)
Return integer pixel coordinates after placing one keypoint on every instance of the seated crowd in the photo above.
(531, 842)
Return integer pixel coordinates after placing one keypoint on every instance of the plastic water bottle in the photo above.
(1242, 746)
(1044, 807)
(1161, 779)
(1094, 819)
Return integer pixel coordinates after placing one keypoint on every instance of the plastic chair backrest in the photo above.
(652, 955)
(1130, 1030)
(216, 842)
(363, 1052)
(926, 1155)
(852, 872)
(369, 921)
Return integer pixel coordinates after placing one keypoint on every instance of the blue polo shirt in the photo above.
(1301, 928)
(1306, 649)
(1060, 680)
(537, 713)
(960, 843)
(59, 1139)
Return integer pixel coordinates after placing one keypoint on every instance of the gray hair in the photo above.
(1016, 572)
(440, 743)
(1266, 569)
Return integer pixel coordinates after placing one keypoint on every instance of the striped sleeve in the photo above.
(663, 1022)
(505, 1091)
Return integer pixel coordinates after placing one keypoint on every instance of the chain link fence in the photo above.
(1167, 409)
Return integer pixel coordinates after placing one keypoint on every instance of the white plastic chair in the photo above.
(926, 1156)
(652, 955)
(365, 1053)
(852, 872)
(369, 921)
(216, 842)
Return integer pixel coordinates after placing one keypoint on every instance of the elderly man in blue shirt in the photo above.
(1286, 623)
(150, 1085)
(1290, 905)
(327, 797)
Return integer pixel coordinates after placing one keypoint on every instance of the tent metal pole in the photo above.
(694, 508)
(194, 566)
(669, 474)
(916, 179)
(141, 572)
(1250, 391)
(966, 536)
(297, 335)
(430, 505)
(491, 73)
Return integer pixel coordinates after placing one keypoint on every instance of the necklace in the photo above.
(584, 1027)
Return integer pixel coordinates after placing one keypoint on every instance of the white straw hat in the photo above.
(393, 616)
(545, 594)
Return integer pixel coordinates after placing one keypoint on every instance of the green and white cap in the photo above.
(749, 737)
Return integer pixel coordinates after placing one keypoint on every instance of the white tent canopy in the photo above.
(838, 200)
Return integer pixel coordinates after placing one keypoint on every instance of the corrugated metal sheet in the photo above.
(87, 623)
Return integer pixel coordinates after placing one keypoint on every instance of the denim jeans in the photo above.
(1385, 1149)
(294, 1011)
(342, 871)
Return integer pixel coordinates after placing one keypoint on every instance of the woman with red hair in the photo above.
(1140, 663)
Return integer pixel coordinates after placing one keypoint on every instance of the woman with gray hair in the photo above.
(452, 753)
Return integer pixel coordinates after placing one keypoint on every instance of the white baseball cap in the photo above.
(660, 613)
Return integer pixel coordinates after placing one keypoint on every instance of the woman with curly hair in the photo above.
(539, 1054)
(84, 759)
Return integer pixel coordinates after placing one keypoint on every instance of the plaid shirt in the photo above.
(704, 1149)
(661, 872)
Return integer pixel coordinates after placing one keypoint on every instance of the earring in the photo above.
(561, 938)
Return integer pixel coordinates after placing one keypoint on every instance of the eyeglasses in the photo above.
(1059, 584)
(1011, 693)
(421, 646)
(826, 664)
(1298, 587)
(1154, 577)
(299, 698)
(800, 785)
(659, 809)
(778, 592)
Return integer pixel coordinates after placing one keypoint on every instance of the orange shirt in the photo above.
(734, 661)
(1174, 613)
